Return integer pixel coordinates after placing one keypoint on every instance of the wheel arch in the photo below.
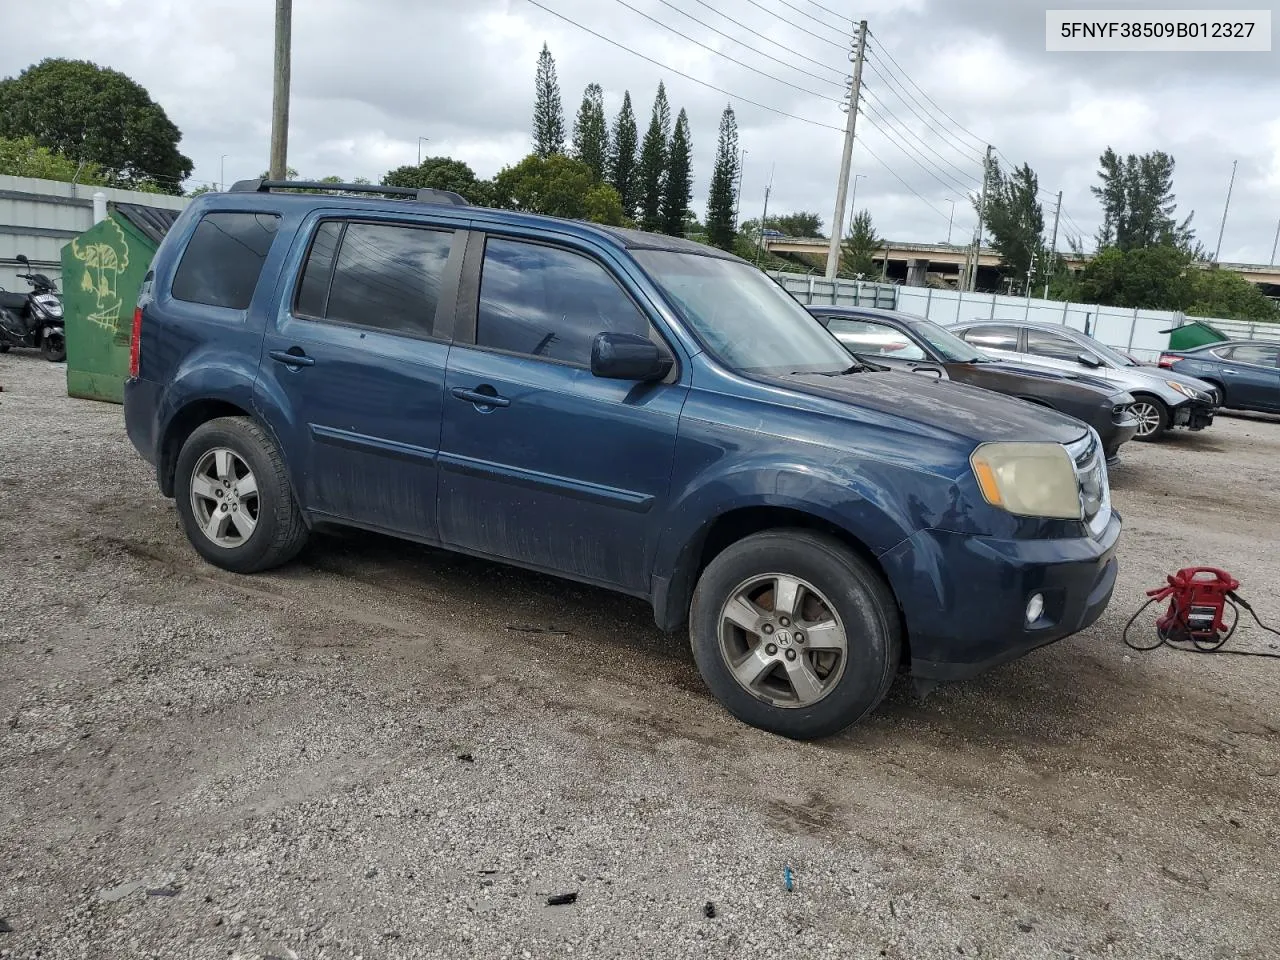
(179, 428)
(673, 595)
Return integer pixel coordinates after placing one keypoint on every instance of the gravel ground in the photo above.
(372, 753)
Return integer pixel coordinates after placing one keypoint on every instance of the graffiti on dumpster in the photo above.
(105, 261)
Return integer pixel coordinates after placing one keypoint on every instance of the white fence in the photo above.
(1139, 332)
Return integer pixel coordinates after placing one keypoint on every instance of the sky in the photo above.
(943, 79)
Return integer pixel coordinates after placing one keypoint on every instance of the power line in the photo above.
(838, 16)
(901, 181)
(768, 39)
(962, 175)
(821, 23)
(872, 115)
(732, 39)
(881, 47)
(680, 73)
(774, 13)
(718, 53)
(911, 103)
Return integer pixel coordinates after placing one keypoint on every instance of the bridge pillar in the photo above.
(916, 272)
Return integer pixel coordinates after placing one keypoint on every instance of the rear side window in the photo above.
(1044, 344)
(549, 303)
(992, 338)
(223, 260)
(1255, 353)
(386, 276)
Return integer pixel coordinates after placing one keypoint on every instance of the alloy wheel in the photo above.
(1148, 417)
(224, 497)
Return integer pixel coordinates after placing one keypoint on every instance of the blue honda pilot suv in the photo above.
(635, 411)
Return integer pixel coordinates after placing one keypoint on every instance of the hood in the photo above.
(1159, 377)
(971, 412)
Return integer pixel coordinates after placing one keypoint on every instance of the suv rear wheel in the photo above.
(234, 498)
(795, 634)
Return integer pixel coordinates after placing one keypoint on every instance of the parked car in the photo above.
(639, 412)
(909, 342)
(1246, 373)
(1161, 400)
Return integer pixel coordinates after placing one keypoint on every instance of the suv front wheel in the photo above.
(794, 633)
(234, 498)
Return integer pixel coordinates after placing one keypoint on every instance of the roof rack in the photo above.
(423, 194)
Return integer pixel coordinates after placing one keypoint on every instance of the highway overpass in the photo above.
(911, 263)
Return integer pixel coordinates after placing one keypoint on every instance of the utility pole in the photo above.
(764, 215)
(1276, 244)
(982, 213)
(1053, 247)
(846, 159)
(853, 200)
(884, 265)
(951, 220)
(1225, 208)
(222, 172)
(280, 94)
(1031, 272)
(421, 141)
(737, 196)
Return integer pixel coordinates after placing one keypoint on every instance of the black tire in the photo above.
(856, 594)
(54, 349)
(280, 531)
(4, 348)
(1157, 408)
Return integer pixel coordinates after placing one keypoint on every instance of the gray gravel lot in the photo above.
(195, 764)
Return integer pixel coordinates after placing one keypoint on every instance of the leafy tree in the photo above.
(548, 114)
(857, 256)
(591, 131)
(622, 155)
(1014, 216)
(1224, 293)
(96, 115)
(677, 181)
(721, 230)
(558, 186)
(1138, 202)
(201, 190)
(23, 157)
(799, 224)
(653, 162)
(442, 173)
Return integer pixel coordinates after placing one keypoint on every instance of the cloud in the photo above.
(943, 79)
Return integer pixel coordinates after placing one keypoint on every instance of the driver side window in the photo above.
(549, 303)
(874, 339)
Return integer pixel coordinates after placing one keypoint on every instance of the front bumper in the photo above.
(964, 598)
(1194, 415)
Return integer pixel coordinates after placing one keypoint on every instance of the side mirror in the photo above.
(1089, 359)
(626, 356)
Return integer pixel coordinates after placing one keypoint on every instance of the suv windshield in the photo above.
(746, 320)
(951, 347)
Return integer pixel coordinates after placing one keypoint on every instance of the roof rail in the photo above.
(423, 194)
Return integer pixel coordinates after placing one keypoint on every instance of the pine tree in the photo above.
(653, 163)
(677, 182)
(622, 155)
(591, 131)
(548, 114)
(721, 229)
(858, 253)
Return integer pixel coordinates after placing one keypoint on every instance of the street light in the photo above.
(421, 140)
(950, 221)
(222, 173)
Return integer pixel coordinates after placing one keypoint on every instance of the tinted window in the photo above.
(992, 338)
(550, 303)
(1044, 344)
(313, 291)
(1255, 353)
(874, 339)
(383, 275)
(224, 258)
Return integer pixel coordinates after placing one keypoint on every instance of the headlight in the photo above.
(1028, 479)
(1183, 389)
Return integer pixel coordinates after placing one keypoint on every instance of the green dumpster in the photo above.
(102, 271)
(1197, 333)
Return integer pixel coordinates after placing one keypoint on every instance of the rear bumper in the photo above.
(964, 598)
(141, 408)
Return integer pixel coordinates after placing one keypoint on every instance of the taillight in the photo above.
(135, 340)
(1167, 361)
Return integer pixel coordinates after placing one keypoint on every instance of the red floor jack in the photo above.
(1195, 619)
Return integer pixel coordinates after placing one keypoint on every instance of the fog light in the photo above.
(1035, 608)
